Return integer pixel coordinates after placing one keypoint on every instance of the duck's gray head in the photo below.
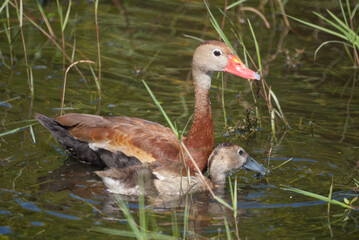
(228, 157)
(216, 56)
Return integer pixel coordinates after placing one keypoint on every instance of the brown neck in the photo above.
(200, 140)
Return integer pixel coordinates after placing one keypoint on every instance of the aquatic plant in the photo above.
(344, 29)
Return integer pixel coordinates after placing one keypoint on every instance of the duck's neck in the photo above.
(218, 178)
(200, 140)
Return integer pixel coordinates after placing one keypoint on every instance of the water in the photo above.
(45, 195)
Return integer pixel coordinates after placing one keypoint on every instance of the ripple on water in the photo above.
(5, 230)
(31, 206)
(37, 223)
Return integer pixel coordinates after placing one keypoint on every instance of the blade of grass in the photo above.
(4, 5)
(287, 161)
(44, 17)
(345, 29)
(222, 100)
(16, 130)
(235, 4)
(161, 109)
(19, 12)
(273, 124)
(67, 16)
(32, 134)
(328, 42)
(65, 79)
(228, 231)
(131, 222)
(234, 201)
(185, 218)
(95, 78)
(141, 204)
(32, 89)
(317, 196)
(354, 10)
(274, 97)
(175, 229)
(20, 16)
(319, 27)
(343, 12)
(9, 100)
(217, 27)
(98, 50)
(330, 197)
(256, 45)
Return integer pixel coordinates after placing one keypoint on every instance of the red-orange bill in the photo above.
(236, 67)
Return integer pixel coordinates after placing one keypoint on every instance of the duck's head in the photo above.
(216, 56)
(227, 158)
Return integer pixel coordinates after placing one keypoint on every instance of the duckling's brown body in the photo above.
(93, 138)
(154, 178)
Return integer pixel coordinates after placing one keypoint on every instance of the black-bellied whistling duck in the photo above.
(93, 138)
(153, 179)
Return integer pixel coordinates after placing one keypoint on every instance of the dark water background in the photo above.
(47, 196)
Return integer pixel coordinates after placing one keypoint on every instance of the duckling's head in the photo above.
(228, 157)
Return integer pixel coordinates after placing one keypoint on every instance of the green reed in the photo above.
(346, 29)
(343, 29)
(346, 204)
(137, 231)
(63, 24)
(7, 30)
(98, 82)
(19, 13)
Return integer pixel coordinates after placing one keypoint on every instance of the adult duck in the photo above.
(156, 179)
(94, 139)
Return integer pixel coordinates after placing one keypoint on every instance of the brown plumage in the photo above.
(145, 141)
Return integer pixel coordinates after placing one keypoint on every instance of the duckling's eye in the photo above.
(217, 52)
(240, 152)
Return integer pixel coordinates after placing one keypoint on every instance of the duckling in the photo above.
(158, 179)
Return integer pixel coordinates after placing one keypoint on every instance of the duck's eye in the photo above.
(217, 52)
(240, 152)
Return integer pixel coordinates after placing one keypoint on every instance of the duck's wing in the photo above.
(145, 140)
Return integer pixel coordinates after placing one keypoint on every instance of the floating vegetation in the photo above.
(245, 128)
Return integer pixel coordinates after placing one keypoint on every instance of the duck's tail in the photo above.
(76, 148)
(81, 150)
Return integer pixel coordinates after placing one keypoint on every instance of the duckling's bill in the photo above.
(253, 165)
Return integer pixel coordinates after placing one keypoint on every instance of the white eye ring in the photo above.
(240, 152)
(217, 52)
